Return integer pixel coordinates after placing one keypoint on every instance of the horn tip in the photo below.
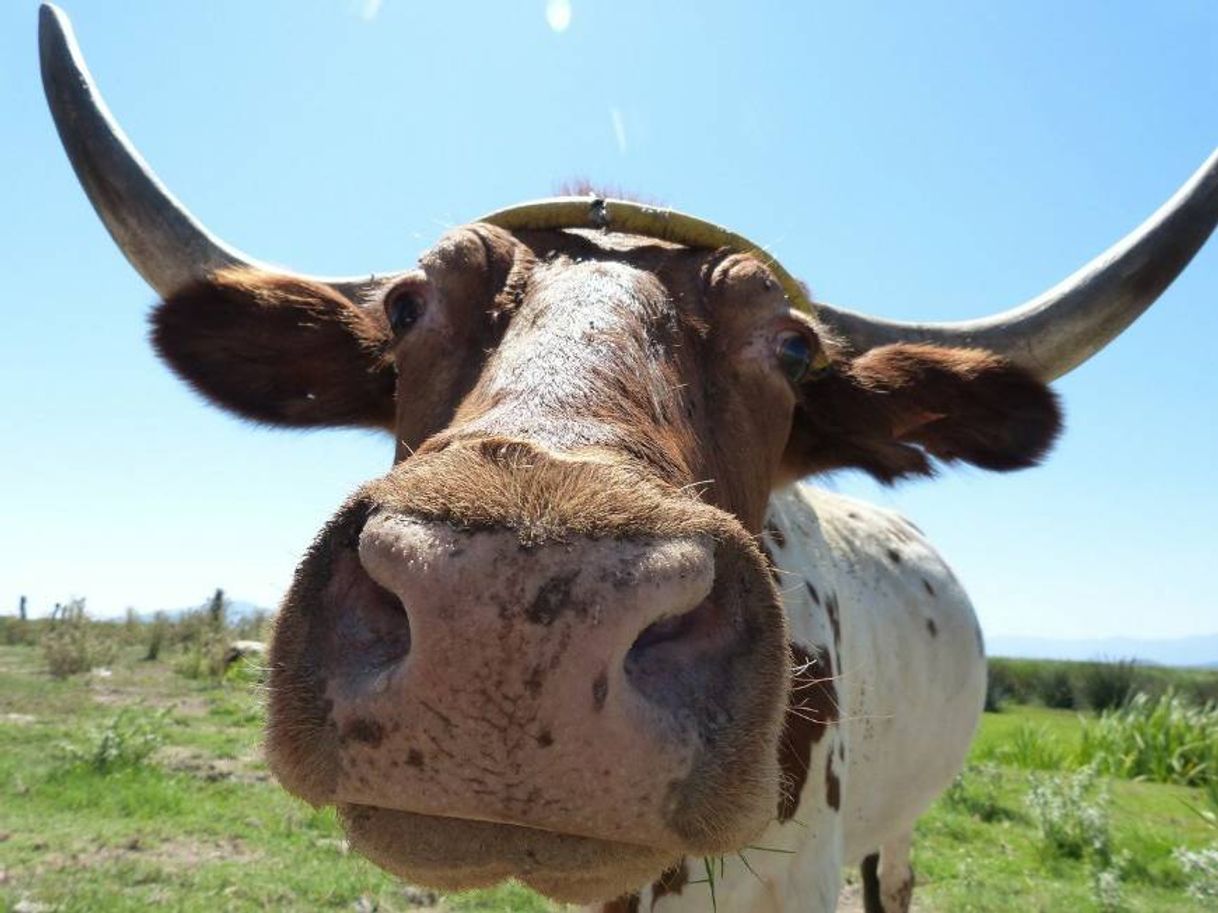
(56, 40)
(52, 19)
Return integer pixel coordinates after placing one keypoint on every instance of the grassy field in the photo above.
(145, 787)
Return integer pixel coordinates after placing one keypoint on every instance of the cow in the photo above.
(592, 630)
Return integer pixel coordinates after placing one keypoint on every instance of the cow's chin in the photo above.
(452, 854)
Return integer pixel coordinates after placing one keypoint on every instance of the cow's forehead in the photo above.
(670, 261)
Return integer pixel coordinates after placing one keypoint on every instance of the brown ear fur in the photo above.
(278, 349)
(890, 409)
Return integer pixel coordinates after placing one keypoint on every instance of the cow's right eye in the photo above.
(403, 308)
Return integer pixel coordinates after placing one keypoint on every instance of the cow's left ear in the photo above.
(279, 349)
(891, 409)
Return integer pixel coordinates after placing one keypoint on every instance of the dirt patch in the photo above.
(177, 853)
(851, 900)
(209, 768)
(110, 695)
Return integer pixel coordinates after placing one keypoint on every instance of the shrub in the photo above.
(997, 688)
(1014, 680)
(203, 657)
(125, 741)
(1106, 886)
(977, 791)
(252, 627)
(203, 635)
(1031, 747)
(1072, 814)
(1200, 871)
(1055, 687)
(73, 644)
(158, 633)
(217, 611)
(15, 632)
(1108, 684)
(1167, 739)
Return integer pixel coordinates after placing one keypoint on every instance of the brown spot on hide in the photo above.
(833, 785)
(370, 732)
(811, 709)
(600, 691)
(673, 881)
(545, 739)
(776, 534)
(414, 758)
(552, 599)
(870, 872)
(627, 903)
(894, 556)
(812, 592)
(835, 620)
(932, 627)
(930, 590)
(898, 532)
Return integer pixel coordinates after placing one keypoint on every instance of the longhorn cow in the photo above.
(590, 629)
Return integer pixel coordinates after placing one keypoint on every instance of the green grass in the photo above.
(967, 863)
(199, 825)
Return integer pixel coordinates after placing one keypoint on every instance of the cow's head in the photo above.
(545, 644)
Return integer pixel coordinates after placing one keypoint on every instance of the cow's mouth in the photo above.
(460, 853)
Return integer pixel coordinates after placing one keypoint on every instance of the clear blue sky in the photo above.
(929, 160)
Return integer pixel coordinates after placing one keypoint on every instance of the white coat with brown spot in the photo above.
(909, 674)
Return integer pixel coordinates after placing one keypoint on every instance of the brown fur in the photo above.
(811, 709)
(278, 349)
(547, 500)
(563, 384)
(890, 409)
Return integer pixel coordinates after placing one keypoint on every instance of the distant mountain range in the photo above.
(1177, 651)
(235, 610)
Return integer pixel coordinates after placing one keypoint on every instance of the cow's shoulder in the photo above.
(868, 564)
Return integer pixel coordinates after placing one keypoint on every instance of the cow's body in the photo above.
(862, 587)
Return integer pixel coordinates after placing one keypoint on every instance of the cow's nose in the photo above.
(634, 605)
(533, 670)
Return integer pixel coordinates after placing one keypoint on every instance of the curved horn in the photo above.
(157, 234)
(1061, 328)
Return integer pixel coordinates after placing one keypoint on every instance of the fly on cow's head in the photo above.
(545, 644)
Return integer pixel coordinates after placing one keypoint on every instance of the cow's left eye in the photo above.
(797, 357)
(403, 308)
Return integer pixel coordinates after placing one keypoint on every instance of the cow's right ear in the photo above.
(279, 349)
(891, 410)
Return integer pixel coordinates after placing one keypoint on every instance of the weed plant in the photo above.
(1167, 739)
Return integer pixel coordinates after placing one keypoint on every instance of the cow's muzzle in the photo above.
(607, 690)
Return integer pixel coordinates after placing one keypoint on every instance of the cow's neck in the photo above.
(859, 584)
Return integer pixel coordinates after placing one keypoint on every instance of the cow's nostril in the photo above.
(371, 626)
(666, 629)
(673, 660)
(698, 625)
